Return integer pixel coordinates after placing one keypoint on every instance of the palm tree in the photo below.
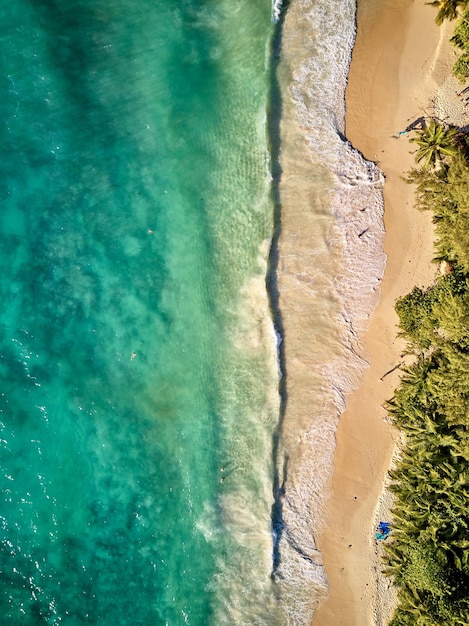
(435, 142)
(448, 9)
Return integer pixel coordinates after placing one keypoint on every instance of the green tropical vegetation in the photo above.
(427, 552)
(451, 10)
(435, 142)
(448, 9)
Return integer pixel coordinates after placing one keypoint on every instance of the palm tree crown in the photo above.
(435, 142)
(448, 9)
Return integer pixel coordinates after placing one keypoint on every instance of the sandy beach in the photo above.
(400, 71)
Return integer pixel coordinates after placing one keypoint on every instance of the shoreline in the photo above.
(400, 71)
(330, 264)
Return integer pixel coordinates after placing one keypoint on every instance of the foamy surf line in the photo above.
(354, 274)
(276, 9)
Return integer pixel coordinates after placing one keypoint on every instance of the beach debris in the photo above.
(391, 370)
(419, 123)
(384, 528)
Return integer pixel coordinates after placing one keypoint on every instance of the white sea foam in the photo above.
(350, 277)
(276, 9)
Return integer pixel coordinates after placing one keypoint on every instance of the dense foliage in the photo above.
(428, 550)
(461, 35)
(445, 192)
(461, 40)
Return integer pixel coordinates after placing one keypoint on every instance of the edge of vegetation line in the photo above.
(427, 552)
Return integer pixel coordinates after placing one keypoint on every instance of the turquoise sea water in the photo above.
(138, 383)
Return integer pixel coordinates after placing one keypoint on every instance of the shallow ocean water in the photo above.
(135, 194)
(143, 442)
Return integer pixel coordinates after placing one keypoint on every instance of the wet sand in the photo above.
(401, 61)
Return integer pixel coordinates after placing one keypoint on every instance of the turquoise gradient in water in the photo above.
(134, 194)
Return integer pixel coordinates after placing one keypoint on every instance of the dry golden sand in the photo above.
(400, 71)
